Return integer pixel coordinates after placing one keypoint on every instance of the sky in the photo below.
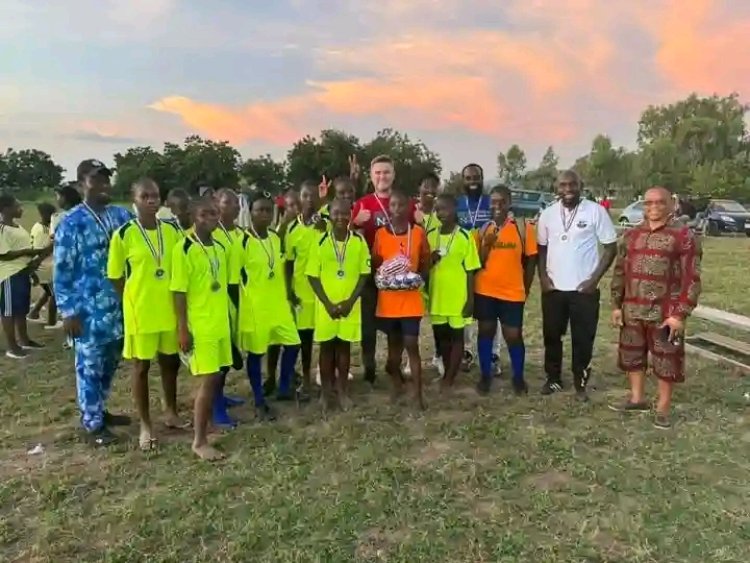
(88, 78)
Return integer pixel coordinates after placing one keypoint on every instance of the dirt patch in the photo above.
(432, 452)
(550, 481)
(375, 544)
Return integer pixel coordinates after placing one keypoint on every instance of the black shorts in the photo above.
(509, 313)
(15, 295)
(405, 326)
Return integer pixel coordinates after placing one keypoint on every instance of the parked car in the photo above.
(632, 214)
(528, 203)
(725, 216)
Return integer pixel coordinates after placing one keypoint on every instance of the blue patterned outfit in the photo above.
(83, 290)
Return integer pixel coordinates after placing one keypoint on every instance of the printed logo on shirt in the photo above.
(504, 245)
(582, 224)
(381, 220)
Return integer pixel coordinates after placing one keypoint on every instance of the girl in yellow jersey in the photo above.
(266, 312)
(283, 217)
(204, 280)
(178, 203)
(139, 265)
(229, 235)
(338, 268)
(302, 234)
(426, 216)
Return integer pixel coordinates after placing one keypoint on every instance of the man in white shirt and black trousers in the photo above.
(570, 267)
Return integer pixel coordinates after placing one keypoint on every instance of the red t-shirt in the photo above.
(379, 214)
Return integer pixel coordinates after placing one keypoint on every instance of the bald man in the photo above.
(655, 287)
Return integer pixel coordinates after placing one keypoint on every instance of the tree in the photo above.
(265, 173)
(605, 163)
(200, 162)
(454, 184)
(412, 159)
(29, 170)
(692, 137)
(511, 165)
(543, 178)
(140, 162)
(311, 158)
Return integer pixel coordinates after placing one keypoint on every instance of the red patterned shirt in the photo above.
(657, 272)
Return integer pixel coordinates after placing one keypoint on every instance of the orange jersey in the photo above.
(502, 274)
(402, 303)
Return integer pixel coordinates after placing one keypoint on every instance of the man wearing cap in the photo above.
(86, 299)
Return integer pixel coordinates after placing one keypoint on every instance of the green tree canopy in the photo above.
(29, 169)
(265, 173)
(511, 165)
(412, 159)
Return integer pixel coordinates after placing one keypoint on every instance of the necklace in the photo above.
(443, 251)
(567, 223)
(385, 213)
(104, 222)
(158, 252)
(340, 256)
(473, 218)
(213, 264)
(269, 252)
(408, 240)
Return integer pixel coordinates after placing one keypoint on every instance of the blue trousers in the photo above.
(96, 365)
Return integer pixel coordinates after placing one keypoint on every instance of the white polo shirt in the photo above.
(572, 238)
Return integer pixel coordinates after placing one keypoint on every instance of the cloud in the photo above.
(703, 45)
(103, 132)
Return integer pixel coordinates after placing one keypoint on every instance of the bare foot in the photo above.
(146, 441)
(345, 403)
(174, 422)
(207, 452)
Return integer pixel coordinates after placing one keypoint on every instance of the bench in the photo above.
(725, 318)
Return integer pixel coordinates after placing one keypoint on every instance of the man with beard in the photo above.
(474, 210)
(369, 214)
(87, 300)
(570, 268)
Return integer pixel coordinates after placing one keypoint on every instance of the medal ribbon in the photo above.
(450, 241)
(408, 240)
(269, 253)
(567, 224)
(157, 253)
(213, 264)
(340, 256)
(382, 208)
(473, 218)
(104, 223)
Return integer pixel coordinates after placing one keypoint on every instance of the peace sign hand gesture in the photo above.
(324, 186)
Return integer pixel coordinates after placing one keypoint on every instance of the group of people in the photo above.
(180, 281)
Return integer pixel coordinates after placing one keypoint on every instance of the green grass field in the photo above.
(472, 479)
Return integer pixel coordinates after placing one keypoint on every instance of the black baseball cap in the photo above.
(91, 167)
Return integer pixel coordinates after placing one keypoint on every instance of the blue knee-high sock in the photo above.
(286, 375)
(517, 353)
(484, 349)
(254, 375)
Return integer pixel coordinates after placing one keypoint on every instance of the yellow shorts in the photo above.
(258, 341)
(456, 323)
(348, 330)
(148, 346)
(304, 315)
(209, 356)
